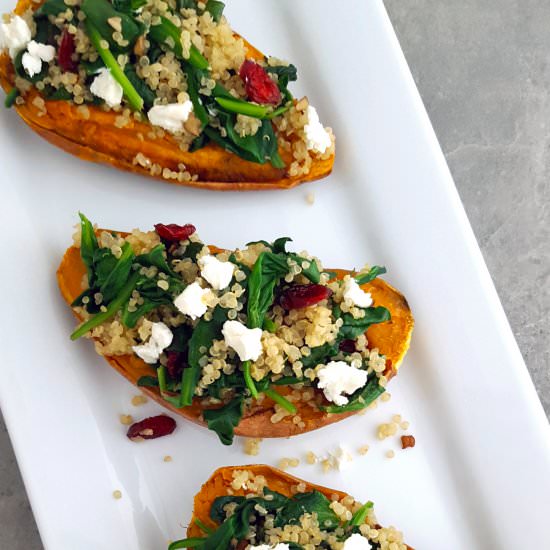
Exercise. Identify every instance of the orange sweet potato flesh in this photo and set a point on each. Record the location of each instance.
(97, 139)
(392, 338)
(220, 482)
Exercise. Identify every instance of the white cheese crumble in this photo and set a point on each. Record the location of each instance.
(191, 301)
(318, 139)
(161, 337)
(356, 295)
(356, 542)
(337, 378)
(14, 35)
(107, 88)
(247, 342)
(279, 546)
(31, 64)
(218, 274)
(34, 56)
(341, 457)
(170, 117)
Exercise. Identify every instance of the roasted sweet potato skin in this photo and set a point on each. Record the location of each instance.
(97, 139)
(220, 482)
(391, 338)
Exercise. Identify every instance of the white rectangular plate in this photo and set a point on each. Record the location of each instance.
(480, 475)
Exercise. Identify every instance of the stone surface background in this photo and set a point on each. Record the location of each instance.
(482, 68)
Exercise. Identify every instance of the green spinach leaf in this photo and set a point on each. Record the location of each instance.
(98, 13)
(157, 258)
(224, 420)
(362, 398)
(352, 328)
(140, 86)
(313, 502)
(147, 382)
(50, 7)
(268, 270)
(203, 335)
(117, 277)
(371, 274)
(88, 246)
(128, 6)
(215, 9)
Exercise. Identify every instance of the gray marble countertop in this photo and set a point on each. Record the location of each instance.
(482, 69)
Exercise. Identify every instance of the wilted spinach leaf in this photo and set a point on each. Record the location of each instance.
(224, 420)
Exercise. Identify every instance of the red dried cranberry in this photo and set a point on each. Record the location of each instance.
(175, 364)
(174, 232)
(66, 51)
(348, 346)
(407, 441)
(152, 427)
(299, 296)
(260, 88)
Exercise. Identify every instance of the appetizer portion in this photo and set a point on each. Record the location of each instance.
(261, 508)
(162, 88)
(258, 341)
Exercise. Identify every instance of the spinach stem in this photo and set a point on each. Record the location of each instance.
(111, 311)
(11, 97)
(134, 99)
(187, 386)
(280, 400)
(361, 515)
(248, 379)
(161, 375)
(187, 543)
(197, 59)
(203, 527)
(279, 111)
(242, 107)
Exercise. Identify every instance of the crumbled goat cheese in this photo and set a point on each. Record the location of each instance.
(247, 342)
(42, 51)
(107, 88)
(337, 378)
(279, 546)
(356, 542)
(341, 457)
(170, 117)
(318, 139)
(31, 64)
(34, 56)
(356, 295)
(191, 301)
(14, 35)
(161, 337)
(217, 274)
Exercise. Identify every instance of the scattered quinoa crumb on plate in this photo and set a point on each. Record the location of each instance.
(258, 341)
(258, 507)
(160, 88)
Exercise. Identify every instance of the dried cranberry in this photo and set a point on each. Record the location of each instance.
(175, 364)
(299, 296)
(66, 51)
(174, 232)
(260, 88)
(152, 427)
(347, 346)
(407, 442)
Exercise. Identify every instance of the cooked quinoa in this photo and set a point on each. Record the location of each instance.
(308, 518)
(230, 328)
(176, 64)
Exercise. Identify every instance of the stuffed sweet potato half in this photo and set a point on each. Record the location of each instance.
(259, 342)
(165, 89)
(259, 507)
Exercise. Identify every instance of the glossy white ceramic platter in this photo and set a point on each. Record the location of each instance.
(479, 476)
